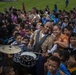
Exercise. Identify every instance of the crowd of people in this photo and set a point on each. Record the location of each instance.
(51, 33)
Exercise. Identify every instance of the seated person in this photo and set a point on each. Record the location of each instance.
(72, 45)
(53, 66)
(72, 63)
(3, 60)
(61, 41)
(22, 29)
(67, 30)
(61, 55)
(9, 70)
(26, 41)
(20, 43)
(1, 69)
(12, 39)
(27, 31)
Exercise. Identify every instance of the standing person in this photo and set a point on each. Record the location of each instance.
(72, 63)
(66, 2)
(34, 16)
(42, 42)
(55, 8)
(23, 7)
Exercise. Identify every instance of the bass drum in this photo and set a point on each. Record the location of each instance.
(28, 59)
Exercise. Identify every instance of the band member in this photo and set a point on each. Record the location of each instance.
(41, 41)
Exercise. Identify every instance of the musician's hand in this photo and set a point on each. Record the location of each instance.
(45, 54)
(29, 46)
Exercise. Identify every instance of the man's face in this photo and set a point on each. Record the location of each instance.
(47, 27)
(52, 66)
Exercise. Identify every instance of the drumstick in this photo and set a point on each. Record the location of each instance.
(37, 53)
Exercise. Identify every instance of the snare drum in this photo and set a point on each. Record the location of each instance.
(28, 59)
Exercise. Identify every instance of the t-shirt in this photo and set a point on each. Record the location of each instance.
(73, 73)
(64, 69)
(57, 73)
(72, 70)
(63, 38)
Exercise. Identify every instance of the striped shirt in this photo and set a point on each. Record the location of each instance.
(17, 55)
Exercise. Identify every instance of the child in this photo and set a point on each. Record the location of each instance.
(64, 56)
(62, 67)
(9, 70)
(26, 41)
(73, 41)
(12, 39)
(72, 63)
(18, 42)
(67, 30)
(28, 31)
(22, 29)
(53, 66)
(72, 50)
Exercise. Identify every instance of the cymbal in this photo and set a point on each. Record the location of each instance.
(8, 49)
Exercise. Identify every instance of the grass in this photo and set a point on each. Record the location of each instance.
(40, 4)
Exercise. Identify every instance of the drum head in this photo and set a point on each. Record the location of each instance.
(28, 59)
(29, 54)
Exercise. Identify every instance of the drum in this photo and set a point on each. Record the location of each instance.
(28, 59)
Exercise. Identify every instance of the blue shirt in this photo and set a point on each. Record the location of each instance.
(17, 55)
(57, 73)
(44, 20)
(64, 69)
